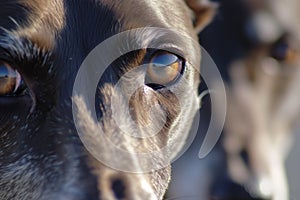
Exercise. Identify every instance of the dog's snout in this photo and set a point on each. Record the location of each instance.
(229, 190)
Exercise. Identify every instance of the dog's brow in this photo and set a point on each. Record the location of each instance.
(164, 39)
(159, 38)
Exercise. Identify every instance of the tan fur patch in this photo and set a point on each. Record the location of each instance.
(46, 19)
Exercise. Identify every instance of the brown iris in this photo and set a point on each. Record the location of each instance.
(164, 69)
(9, 79)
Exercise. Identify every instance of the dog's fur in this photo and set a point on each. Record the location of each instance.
(41, 156)
(263, 104)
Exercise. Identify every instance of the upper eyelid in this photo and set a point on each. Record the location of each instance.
(15, 49)
(170, 49)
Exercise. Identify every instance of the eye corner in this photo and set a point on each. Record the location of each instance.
(11, 82)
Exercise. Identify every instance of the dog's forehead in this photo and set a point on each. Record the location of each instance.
(42, 21)
(166, 14)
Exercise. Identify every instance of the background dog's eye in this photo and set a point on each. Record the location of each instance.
(11, 82)
(163, 69)
(283, 52)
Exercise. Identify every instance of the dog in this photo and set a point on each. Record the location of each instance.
(260, 45)
(264, 108)
(42, 46)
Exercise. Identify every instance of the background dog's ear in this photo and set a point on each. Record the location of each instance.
(203, 12)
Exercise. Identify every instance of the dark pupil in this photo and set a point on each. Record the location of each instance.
(164, 60)
(280, 51)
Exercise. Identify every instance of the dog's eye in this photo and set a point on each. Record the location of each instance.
(164, 69)
(283, 52)
(11, 83)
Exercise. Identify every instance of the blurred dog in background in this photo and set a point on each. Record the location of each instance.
(257, 48)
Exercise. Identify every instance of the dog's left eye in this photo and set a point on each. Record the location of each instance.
(11, 83)
(164, 69)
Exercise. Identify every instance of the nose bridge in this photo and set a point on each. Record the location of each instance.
(113, 183)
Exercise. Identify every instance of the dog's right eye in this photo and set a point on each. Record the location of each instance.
(11, 83)
(164, 69)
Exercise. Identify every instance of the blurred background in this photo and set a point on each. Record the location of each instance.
(254, 43)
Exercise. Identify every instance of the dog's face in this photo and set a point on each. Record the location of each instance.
(42, 45)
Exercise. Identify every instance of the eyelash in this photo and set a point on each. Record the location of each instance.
(22, 52)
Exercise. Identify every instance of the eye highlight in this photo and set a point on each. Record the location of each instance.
(164, 69)
(11, 82)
